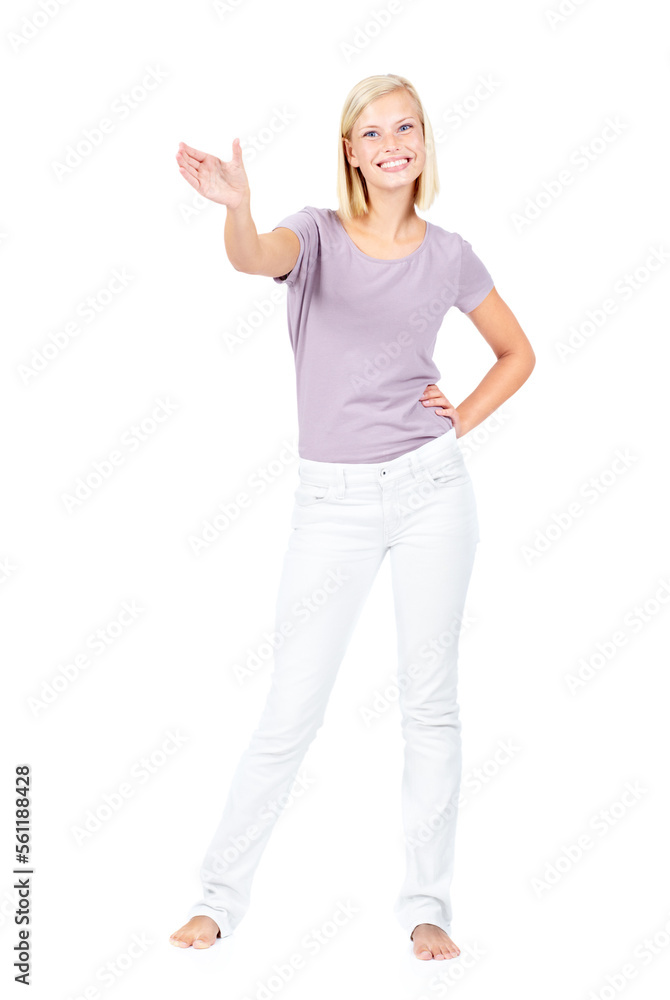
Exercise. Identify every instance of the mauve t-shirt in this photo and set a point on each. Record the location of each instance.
(363, 332)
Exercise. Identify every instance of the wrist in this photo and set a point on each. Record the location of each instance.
(243, 204)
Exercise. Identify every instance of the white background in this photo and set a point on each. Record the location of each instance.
(67, 573)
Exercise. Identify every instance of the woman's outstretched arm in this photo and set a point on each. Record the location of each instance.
(225, 182)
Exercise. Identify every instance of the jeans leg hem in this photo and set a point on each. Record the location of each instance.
(425, 918)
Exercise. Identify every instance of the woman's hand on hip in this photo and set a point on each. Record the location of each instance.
(433, 396)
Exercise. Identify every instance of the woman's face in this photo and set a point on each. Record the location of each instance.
(388, 129)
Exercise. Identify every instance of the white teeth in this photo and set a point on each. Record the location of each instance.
(393, 163)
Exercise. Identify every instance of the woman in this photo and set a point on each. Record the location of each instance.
(379, 469)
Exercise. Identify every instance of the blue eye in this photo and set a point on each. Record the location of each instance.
(374, 132)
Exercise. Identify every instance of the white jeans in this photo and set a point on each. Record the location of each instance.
(421, 507)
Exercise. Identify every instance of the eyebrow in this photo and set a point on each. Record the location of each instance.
(407, 118)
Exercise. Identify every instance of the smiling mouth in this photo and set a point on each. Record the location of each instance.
(401, 161)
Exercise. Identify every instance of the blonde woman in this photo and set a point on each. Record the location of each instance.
(379, 470)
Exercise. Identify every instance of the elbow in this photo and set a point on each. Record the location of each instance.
(240, 269)
(530, 359)
(524, 357)
(522, 360)
(246, 268)
(528, 362)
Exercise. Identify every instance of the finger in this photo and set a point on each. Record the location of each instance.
(191, 176)
(185, 157)
(237, 156)
(197, 154)
(188, 168)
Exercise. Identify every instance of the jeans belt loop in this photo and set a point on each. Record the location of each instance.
(419, 470)
(339, 483)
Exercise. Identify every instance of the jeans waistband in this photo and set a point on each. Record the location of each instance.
(412, 462)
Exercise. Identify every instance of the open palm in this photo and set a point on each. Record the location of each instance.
(222, 181)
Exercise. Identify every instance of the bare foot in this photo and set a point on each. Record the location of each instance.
(432, 942)
(201, 932)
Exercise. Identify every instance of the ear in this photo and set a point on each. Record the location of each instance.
(349, 152)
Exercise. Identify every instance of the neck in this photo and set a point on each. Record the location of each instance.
(391, 214)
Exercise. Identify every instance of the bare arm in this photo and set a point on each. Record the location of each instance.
(516, 359)
(225, 182)
(273, 254)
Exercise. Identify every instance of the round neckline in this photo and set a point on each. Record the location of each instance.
(383, 260)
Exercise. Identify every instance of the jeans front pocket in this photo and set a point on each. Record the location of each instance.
(308, 494)
(451, 471)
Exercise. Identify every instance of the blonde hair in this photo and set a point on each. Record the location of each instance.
(352, 192)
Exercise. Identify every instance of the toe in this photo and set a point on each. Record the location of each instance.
(178, 942)
(201, 942)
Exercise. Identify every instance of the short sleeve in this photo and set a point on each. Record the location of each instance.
(304, 225)
(474, 283)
